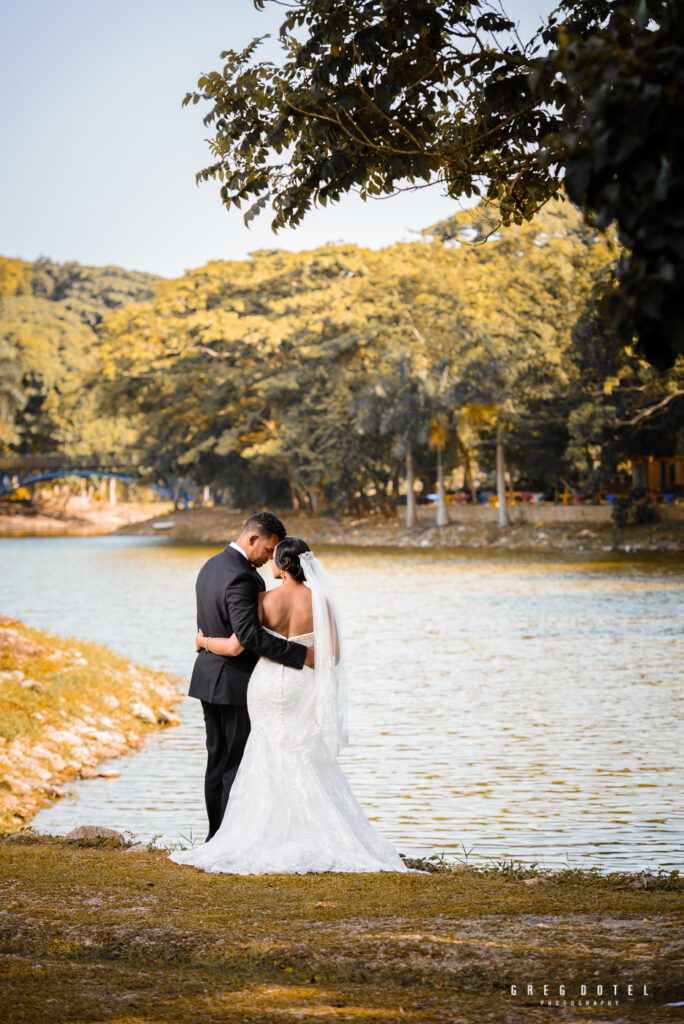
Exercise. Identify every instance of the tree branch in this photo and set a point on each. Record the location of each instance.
(645, 413)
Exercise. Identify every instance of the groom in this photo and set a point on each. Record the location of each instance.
(227, 589)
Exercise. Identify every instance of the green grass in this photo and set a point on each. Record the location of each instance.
(95, 933)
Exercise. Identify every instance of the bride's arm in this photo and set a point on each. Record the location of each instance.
(228, 646)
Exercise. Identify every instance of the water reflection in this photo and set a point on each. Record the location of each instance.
(519, 706)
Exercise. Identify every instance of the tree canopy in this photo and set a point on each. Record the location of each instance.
(317, 373)
(309, 378)
(382, 94)
(624, 159)
(49, 313)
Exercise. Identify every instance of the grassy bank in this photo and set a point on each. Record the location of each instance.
(64, 707)
(218, 525)
(98, 933)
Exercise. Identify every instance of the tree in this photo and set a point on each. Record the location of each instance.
(623, 93)
(252, 377)
(12, 395)
(621, 409)
(48, 315)
(394, 406)
(522, 293)
(376, 94)
(380, 94)
(51, 351)
(259, 371)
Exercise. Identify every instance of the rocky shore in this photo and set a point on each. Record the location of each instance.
(66, 706)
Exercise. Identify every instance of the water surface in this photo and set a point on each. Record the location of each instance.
(514, 705)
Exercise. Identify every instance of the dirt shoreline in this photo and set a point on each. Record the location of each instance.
(218, 525)
(80, 519)
(65, 706)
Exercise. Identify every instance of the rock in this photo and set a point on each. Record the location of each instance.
(103, 753)
(61, 736)
(17, 786)
(88, 772)
(13, 675)
(536, 880)
(643, 882)
(95, 832)
(164, 715)
(459, 867)
(55, 760)
(109, 773)
(19, 646)
(142, 711)
(137, 848)
(50, 789)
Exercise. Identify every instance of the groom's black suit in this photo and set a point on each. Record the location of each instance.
(227, 590)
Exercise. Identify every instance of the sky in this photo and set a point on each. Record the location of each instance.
(99, 156)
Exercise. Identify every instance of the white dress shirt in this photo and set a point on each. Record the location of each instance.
(234, 544)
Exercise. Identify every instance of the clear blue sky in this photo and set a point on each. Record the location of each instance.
(99, 157)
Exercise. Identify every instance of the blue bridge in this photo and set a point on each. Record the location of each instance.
(24, 471)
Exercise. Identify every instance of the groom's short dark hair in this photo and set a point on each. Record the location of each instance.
(265, 524)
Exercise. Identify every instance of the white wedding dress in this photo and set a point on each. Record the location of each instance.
(291, 809)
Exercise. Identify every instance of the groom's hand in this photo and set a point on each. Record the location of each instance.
(309, 660)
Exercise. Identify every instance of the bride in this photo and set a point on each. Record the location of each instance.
(291, 809)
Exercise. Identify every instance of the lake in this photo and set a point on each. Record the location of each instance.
(513, 705)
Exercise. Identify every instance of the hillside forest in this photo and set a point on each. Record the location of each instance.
(327, 379)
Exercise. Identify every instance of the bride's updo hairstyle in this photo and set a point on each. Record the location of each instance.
(287, 557)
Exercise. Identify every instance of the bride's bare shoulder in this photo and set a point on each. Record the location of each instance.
(261, 604)
(269, 599)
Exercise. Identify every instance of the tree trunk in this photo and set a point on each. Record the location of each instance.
(4, 417)
(410, 495)
(317, 499)
(393, 486)
(468, 478)
(500, 482)
(442, 516)
(384, 504)
(511, 488)
(112, 490)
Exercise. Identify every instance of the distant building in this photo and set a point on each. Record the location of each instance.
(660, 474)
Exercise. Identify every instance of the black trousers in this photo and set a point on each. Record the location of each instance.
(227, 729)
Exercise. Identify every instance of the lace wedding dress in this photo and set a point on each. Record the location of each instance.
(291, 809)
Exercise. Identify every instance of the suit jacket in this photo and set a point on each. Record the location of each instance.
(227, 591)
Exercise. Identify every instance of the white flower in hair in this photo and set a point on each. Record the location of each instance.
(306, 556)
